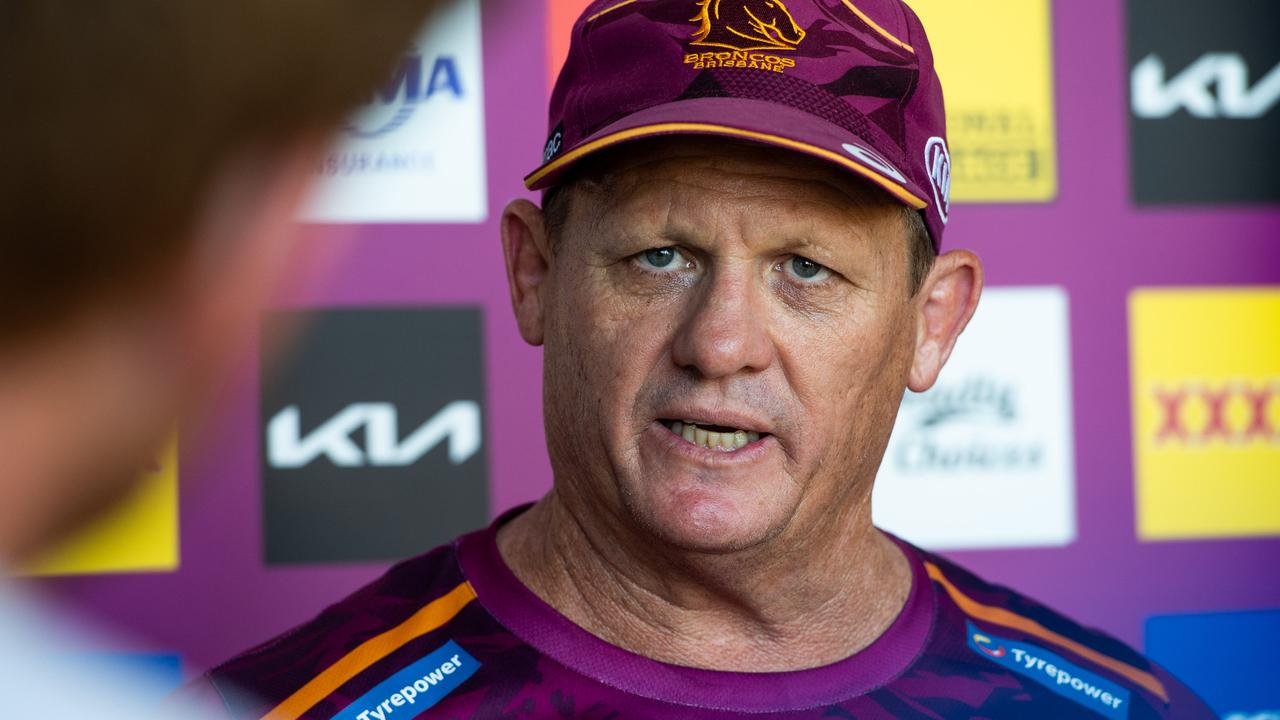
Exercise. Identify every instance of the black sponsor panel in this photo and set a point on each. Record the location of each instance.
(372, 432)
(1204, 101)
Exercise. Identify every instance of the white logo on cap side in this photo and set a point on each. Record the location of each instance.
(937, 165)
(876, 161)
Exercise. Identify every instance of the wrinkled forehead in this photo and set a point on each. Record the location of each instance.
(694, 173)
(643, 164)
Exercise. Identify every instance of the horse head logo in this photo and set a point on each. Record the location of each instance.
(746, 25)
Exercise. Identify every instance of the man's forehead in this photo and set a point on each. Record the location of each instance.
(688, 189)
(727, 165)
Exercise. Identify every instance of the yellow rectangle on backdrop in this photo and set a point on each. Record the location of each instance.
(139, 535)
(995, 59)
(1206, 411)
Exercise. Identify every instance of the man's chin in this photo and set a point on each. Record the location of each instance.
(706, 522)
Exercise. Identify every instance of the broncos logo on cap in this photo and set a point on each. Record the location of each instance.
(746, 25)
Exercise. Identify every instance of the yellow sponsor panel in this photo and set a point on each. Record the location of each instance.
(139, 535)
(995, 59)
(1206, 411)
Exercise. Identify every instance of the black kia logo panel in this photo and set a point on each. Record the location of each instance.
(1204, 101)
(372, 433)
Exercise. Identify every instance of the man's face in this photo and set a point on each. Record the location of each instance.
(758, 295)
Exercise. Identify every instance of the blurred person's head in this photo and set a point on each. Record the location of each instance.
(154, 155)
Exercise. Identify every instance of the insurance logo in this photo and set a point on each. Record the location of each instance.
(993, 438)
(1206, 411)
(415, 151)
(1204, 88)
(373, 433)
(995, 60)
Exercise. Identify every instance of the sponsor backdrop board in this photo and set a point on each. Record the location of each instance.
(993, 437)
(1204, 89)
(995, 59)
(372, 433)
(1089, 249)
(415, 153)
(139, 535)
(1229, 658)
(1206, 411)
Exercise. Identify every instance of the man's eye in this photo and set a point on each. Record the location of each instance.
(663, 258)
(804, 269)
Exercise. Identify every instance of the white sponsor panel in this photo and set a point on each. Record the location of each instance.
(415, 151)
(985, 458)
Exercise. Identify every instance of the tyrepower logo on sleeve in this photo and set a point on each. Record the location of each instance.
(1204, 88)
(415, 688)
(989, 448)
(1052, 671)
(1206, 411)
(372, 433)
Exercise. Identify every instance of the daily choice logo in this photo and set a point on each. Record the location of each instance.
(1052, 671)
(415, 688)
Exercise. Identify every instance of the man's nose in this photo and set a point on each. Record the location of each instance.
(725, 331)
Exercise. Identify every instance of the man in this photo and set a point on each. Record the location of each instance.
(154, 154)
(734, 277)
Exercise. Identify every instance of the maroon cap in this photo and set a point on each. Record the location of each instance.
(847, 81)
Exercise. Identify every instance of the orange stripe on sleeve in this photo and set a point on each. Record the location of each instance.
(1001, 616)
(431, 616)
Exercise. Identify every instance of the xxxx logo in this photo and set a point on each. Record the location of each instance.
(746, 25)
(1234, 412)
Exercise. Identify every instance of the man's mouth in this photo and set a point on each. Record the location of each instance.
(712, 437)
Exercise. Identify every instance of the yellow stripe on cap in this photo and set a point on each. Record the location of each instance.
(876, 26)
(430, 617)
(895, 189)
(609, 9)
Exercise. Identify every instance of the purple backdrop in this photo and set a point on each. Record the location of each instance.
(1091, 240)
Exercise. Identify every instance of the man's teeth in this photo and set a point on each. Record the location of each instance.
(723, 441)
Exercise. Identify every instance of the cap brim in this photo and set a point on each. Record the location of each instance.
(754, 120)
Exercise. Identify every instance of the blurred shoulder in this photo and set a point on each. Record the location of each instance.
(418, 594)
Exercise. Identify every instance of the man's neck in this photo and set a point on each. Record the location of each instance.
(790, 604)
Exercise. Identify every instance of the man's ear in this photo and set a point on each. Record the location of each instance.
(943, 308)
(526, 248)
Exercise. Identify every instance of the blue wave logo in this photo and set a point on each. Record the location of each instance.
(415, 80)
